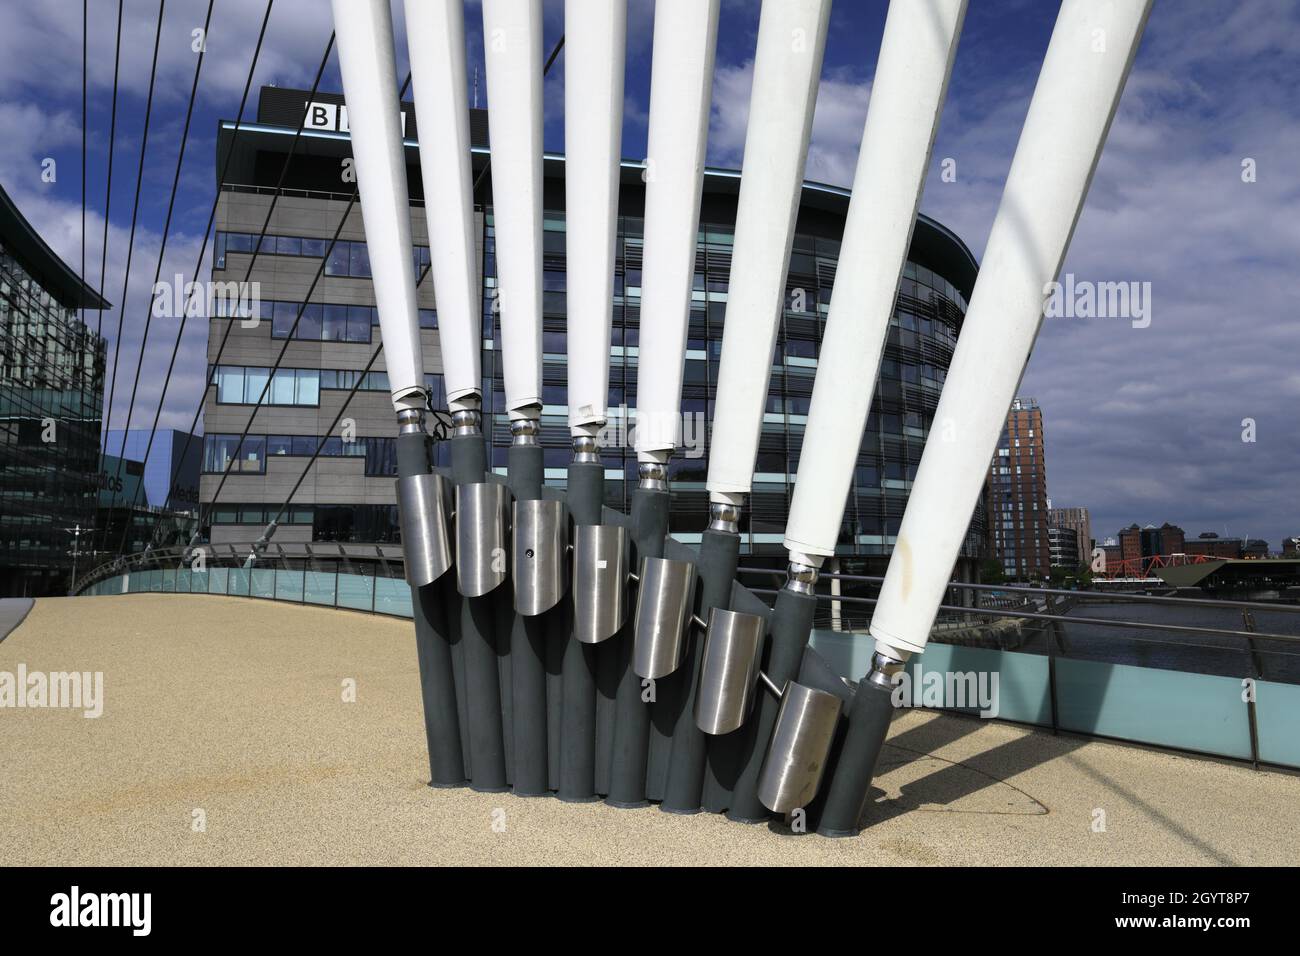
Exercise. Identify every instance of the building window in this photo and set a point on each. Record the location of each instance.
(238, 385)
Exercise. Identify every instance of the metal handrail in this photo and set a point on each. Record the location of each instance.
(1032, 615)
(1104, 596)
(235, 553)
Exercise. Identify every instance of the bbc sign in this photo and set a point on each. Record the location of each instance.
(333, 117)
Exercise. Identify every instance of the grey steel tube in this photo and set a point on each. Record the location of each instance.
(578, 669)
(527, 656)
(792, 620)
(716, 570)
(478, 634)
(432, 640)
(631, 741)
(869, 717)
(468, 459)
(452, 602)
(557, 625)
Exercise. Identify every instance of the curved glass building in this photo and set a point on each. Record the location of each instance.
(350, 498)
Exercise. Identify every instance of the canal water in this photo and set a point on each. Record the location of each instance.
(1223, 655)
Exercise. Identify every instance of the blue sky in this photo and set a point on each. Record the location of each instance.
(1142, 424)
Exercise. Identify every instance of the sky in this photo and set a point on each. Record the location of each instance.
(1145, 422)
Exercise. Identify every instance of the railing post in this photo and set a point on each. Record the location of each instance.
(1051, 684)
(1248, 622)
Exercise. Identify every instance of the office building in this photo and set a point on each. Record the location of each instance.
(1078, 521)
(51, 408)
(348, 495)
(1016, 495)
(1209, 543)
(157, 498)
(1063, 548)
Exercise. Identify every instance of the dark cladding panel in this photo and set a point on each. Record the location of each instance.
(277, 106)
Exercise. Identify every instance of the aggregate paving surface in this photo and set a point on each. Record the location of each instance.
(226, 738)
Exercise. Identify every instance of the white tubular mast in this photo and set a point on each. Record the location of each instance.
(364, 31)
(512, 49)
(681, 84)
(1088, 59)
(907, 94)
(595, 50)
(787, 66)
(435, 35)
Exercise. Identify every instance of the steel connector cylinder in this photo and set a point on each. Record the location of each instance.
(539, 545)
(480, 537)
(728, 671)
(796, 755)
(600, 568)
(663, 612)
(422, 514)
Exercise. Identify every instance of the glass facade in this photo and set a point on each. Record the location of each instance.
(928, 315)
(51, 406)
(922, 336)
(346, 258)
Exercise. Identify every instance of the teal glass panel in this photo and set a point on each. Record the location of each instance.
(217, 580)
(1277, 714)
(288, 585)
(1170, 708)
(356, 591)
(849, 655)
(1007, 685)
(319, 587)
(261, 583)
(238, 583)
(393, 596)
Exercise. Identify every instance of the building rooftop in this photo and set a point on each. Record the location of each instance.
(44, 265)
(239, 713)
(256, 148)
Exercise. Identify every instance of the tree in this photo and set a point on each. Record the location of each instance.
(991, 572)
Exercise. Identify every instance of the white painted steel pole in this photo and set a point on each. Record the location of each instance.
(907, 94)
(787, 66)
(916, 56)
(364, 30)
(1078, 91)
(512, 49)
(681, 84)
(435, 36)
(595, 40)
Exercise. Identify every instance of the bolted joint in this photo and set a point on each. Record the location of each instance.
(883, 669)
(410, 421)
(800, 578)
(465, 422)
(653, 475)
(586, 450)
(523, 431)
(725, 517)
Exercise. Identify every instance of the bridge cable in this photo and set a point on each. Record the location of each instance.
(162, 249)
(135, 210)
(208, 380)
(185, 311)
(108, 187)
(289, 337)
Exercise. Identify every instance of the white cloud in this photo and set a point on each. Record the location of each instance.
(837, 122)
